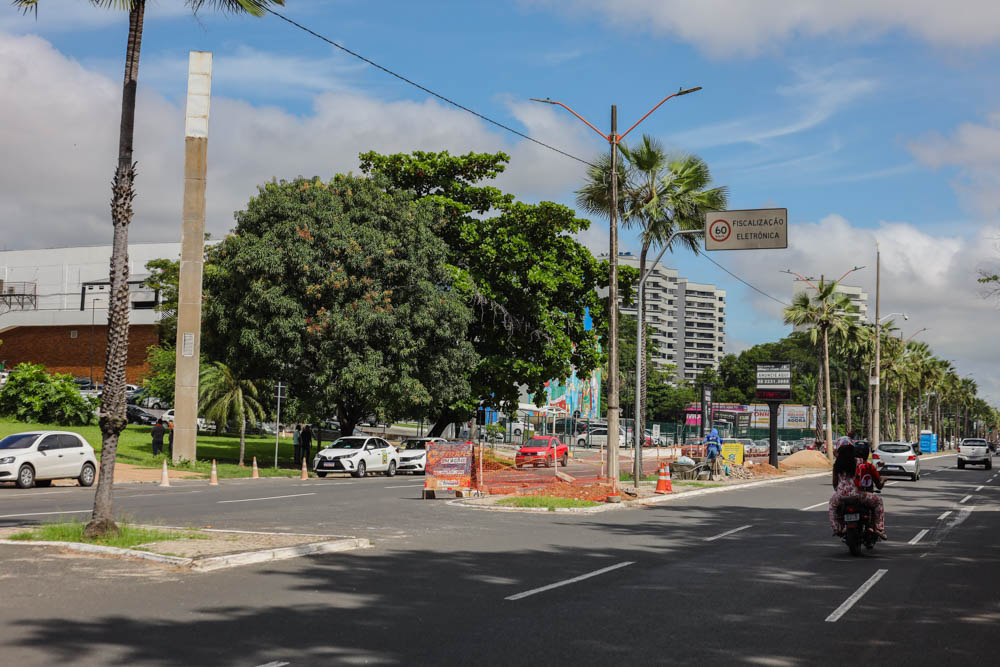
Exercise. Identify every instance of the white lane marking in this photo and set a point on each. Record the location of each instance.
(159, 493)
(940, 518)
(978, 488)
(963, 499)
(30, 495)
(274, 663)
(887, 483)
(811, 507)
(249, 500)
(858, 594)
(919, 536)
(413, 486)
(728, 532)
(10, 516)
(565, 582)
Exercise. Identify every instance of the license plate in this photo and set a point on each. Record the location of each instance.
(892, 468)
(852, 517)
(329, 464)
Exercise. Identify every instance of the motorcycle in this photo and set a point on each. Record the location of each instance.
(859, 525)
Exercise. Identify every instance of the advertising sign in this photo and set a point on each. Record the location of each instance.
(706, 408)
(732, 452)
(753, 229)
(449, 466)
(774, 381)
(795, 416)
(761, 415)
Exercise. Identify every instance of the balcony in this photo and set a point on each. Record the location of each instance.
(18, 296)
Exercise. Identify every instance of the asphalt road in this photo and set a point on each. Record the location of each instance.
(745, 576)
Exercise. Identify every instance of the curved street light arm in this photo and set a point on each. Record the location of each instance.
(679, 92)
(560, 104)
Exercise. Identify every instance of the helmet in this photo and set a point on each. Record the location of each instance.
(842, 441)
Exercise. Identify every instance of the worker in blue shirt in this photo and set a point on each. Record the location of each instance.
(713, 452)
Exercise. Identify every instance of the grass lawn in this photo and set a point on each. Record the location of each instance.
(549, 502)
(628, 477)
(134, 447)
(73, 532)
(700, 485)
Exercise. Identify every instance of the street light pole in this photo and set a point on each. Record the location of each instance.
(640, 420)
(874, 436)
(614, 382)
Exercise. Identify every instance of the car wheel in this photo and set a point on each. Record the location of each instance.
(391, 470)
(914, 477)
(87, 475)
(25, 477)
(961, 465)
(360, 472)
(322, 473)
(989, 464)
(565, 458)
(581, 442)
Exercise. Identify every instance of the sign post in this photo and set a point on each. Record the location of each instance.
(706, 409)
(774, 385)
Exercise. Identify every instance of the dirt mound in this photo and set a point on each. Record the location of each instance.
(807, 458)
(596, 491)
(764, 470)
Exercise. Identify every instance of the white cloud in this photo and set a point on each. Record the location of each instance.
(975, 150)
(736, 27)
(930, 277)
(61, 136)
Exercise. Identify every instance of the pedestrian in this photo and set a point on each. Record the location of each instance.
(157, 432)
(296, 442)
(305, 440)
(712, 452)
(170, 440)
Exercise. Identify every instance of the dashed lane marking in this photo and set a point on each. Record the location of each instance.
(248, 500)
(274, 663)
(411, 486)
(574, 580)
(978, 488)
(857, 595)
(812, 507)
(11, 516)
(919, 536)
(728, 532)
(964, 499)
(940, 518)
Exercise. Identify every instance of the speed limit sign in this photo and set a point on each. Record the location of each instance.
(719, 230)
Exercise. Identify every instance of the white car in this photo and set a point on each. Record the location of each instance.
(975, 451)
(899, 458)
(598, 437)
(784, 448)
(357, 455)
(413, 454)
(36, 458)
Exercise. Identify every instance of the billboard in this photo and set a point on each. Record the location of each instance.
(796, 416)
(449, 466)
(753, 229)
(576, 396)
(774, 381)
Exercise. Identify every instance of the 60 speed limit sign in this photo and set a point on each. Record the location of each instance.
(753, 229)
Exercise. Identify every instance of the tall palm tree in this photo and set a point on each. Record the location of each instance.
(660, 194)
(825, 312)
(112, 415)
(223, 396)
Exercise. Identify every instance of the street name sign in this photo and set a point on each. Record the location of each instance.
(753, 229)
(774, 381)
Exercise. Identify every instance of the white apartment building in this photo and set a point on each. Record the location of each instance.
(686, 320)
(857, 296)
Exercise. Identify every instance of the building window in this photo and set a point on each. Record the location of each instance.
(72, 333)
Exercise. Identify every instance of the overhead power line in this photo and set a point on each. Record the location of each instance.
(756, 289)
(424, 88)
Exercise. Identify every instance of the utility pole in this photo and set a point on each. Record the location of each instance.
(279, 393)
(874, 440)
(613, 379)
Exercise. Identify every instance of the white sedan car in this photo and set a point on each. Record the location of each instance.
(413, 454)
(357, 455)
(36, 458)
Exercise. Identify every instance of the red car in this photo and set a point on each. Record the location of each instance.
(541, 450)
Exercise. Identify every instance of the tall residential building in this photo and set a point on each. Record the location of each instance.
(686, 320)
(857, 296)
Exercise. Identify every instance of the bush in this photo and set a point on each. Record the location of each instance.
(32, 395)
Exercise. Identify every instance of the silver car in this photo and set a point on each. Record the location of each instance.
(975, 451)
(897, 458)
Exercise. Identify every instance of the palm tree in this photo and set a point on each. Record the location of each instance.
(824, 313)
(223, 396)
(660, 194)
(112, 415)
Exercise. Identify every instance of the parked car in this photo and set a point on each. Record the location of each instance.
(36, 458)
(142, 398)
(515, 427)
(541, 450)
(329, 431)
(413, 454)
(598, 437)
(784, 448)
(136, 415)
(897, 458)
(357, 455)
(975, 451)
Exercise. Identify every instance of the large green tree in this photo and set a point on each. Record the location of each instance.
(112, 414)
(342, 290)
(527, 281)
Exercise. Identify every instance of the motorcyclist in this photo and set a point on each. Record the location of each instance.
(867, 479)
(844, 488)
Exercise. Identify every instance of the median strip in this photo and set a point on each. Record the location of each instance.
(249, 500)
(574, 580)
(858, 594)
(728, 532)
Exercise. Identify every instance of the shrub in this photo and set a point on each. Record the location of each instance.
(33, 395)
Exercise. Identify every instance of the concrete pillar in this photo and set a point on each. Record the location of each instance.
(192, 256)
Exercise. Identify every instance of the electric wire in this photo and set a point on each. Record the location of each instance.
(756, 289)
(424, 88)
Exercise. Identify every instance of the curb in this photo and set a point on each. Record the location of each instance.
(209, 563)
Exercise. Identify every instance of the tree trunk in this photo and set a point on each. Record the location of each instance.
(847, 406)
(112, 414)
(819, 402)
(826, 381)
(640, 411)
(899, 414)
(243, 438)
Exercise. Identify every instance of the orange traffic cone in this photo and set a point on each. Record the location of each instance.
(305, 471)
(164, 479)
(255, 474)
(663, 484)
(214, 479)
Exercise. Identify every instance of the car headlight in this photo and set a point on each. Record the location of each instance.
(7, 459)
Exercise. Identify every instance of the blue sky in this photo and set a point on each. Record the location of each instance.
(867, 123)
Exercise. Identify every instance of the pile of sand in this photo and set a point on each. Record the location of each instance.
(806, 458)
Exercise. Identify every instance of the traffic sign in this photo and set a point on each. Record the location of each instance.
(752, 229)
